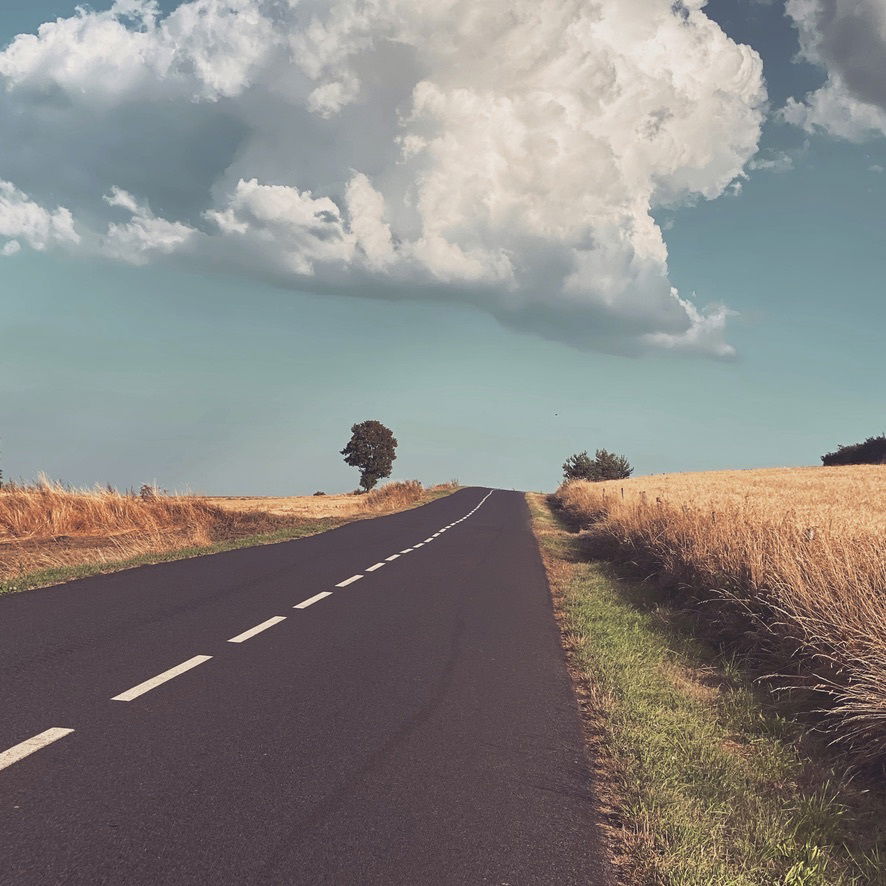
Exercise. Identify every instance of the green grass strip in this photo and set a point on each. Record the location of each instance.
(714, 787)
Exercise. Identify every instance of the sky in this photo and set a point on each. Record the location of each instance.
(510, 231)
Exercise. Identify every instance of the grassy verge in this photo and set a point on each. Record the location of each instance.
(710, 784)
(59, 574)
(297, 529)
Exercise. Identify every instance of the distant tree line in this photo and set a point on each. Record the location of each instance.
(871, 452)
(604, 465)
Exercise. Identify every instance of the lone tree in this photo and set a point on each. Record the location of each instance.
(871, 452)
(371, 448)
(603, 466)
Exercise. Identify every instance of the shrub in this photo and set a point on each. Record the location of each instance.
(871, 452)
(604, 465)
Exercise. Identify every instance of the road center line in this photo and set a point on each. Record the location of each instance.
(406, 551)
(29, 745)
(257, 629)
(373, 568)
(349, 581)
(154, 682)
(428, 540)
(312, 600)
(392, 557)
(421, 544)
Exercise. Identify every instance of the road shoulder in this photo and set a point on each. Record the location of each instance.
(704, 782)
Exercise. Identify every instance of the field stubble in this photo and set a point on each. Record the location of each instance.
(789, 562)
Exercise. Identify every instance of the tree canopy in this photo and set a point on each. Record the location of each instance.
(371, 449)
(871, 452)
(604, 465)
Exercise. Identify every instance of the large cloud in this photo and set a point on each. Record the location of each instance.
(848, 39)
(503, 153)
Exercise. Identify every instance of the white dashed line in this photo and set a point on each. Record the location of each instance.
(312, 600)
(154, 682)
(373, 568)
(257, 629)
(28, 746)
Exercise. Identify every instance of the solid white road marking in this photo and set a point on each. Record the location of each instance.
(392, 557)
(373, 568)
(154, 682)
(349, 581)
(257, 629)
(28, 746)
(311, 600)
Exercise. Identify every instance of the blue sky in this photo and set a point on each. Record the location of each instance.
(215, 370)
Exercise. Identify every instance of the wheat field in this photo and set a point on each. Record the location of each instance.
(794, 556)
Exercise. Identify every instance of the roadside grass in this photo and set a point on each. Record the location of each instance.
(710, 782)
(188, 534)
(788, 563)
(60, 574)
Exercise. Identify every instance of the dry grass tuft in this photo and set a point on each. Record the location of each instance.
(393, 496)
(792, 561)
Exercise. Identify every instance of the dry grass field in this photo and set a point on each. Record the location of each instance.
(47, 526)
(792, 561)
(390, 497)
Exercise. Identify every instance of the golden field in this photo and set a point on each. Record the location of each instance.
(795, 558)
(49, 526)
(391, 496)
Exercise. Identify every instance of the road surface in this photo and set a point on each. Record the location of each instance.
(386, 703)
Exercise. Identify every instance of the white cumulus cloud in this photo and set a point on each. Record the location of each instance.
(21, 218)
(144, 236)
(506, 154)
(848, 39)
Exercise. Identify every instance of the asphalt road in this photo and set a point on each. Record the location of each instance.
(415, 726)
